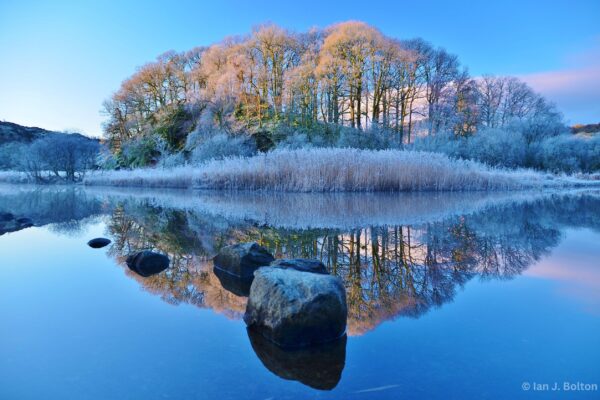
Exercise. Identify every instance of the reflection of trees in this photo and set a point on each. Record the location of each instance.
(406, 270)
(388, 270)
(176, 233)
(67, 208)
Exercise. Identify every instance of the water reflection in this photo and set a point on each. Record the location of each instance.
(65, 208)
(398, 255)
(235, 284)
(431, 247)
(319, 367)
(388, 270)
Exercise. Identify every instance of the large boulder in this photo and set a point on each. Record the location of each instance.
(301, 264)
(98, 243)
(319, 367)
(146, 263)
(293, 308)
(242, 259)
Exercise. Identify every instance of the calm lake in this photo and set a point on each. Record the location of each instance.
(450, 295)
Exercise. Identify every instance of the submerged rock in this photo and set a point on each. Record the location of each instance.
(233, 283)
(319, 367)
(293, 308)
(24, 221)
(98, 243)
(146, 263)
(243, 259)
(301, 264)
(10, 223)
(6, 217)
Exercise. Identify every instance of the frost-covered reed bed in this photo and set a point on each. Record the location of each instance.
(177, 178)
(337, 170)
(14, 177)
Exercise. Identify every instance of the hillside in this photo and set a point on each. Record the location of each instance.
(11, 132)
(37, 150)
(588, 129)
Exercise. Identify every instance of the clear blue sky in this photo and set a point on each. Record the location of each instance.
(60, 59)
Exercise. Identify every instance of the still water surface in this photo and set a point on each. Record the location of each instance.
(450, 295)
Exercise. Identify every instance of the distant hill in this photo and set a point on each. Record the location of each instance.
(15, 133)
(17, 143)
(10, 132)
(589, 128)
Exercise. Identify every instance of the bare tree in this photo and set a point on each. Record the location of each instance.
(60, 156)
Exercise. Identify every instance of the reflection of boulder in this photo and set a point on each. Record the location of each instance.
(10, 223)
(243, 259)
(294, 308)
(146, 263)
(24, 221)
(319, 367)
(98, 243)
(4, 217)
(301, 264)
(233, 283)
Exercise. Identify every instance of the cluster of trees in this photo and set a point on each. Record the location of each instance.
(348, 74)
(52, 157)
(345, 85)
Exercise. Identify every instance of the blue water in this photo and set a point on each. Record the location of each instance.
(77, 324)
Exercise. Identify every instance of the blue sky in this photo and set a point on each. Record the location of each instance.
(60, 59)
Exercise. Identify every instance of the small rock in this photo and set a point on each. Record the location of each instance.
(98, 243)
(293, 308)
(146, 263)
(301, 264)
(24, 222)
(6, 217)
(243, 259)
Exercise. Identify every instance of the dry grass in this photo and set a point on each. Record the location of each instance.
(338, 170)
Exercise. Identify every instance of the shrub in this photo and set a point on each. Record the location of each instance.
(513, 148)
(496, 147)
(172, 160)
(295, 141)
(11, 155)
(173, 125)
(221, 146)
(106, 159)
(142, 151)
(569, 153)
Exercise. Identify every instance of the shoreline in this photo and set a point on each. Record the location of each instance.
(339, 170)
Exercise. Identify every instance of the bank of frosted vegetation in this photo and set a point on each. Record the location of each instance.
(335, 169)
(209, 115)
(345, 86)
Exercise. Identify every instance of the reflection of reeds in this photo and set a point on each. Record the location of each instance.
(322, 210)
(14, 177)
(329, 169)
